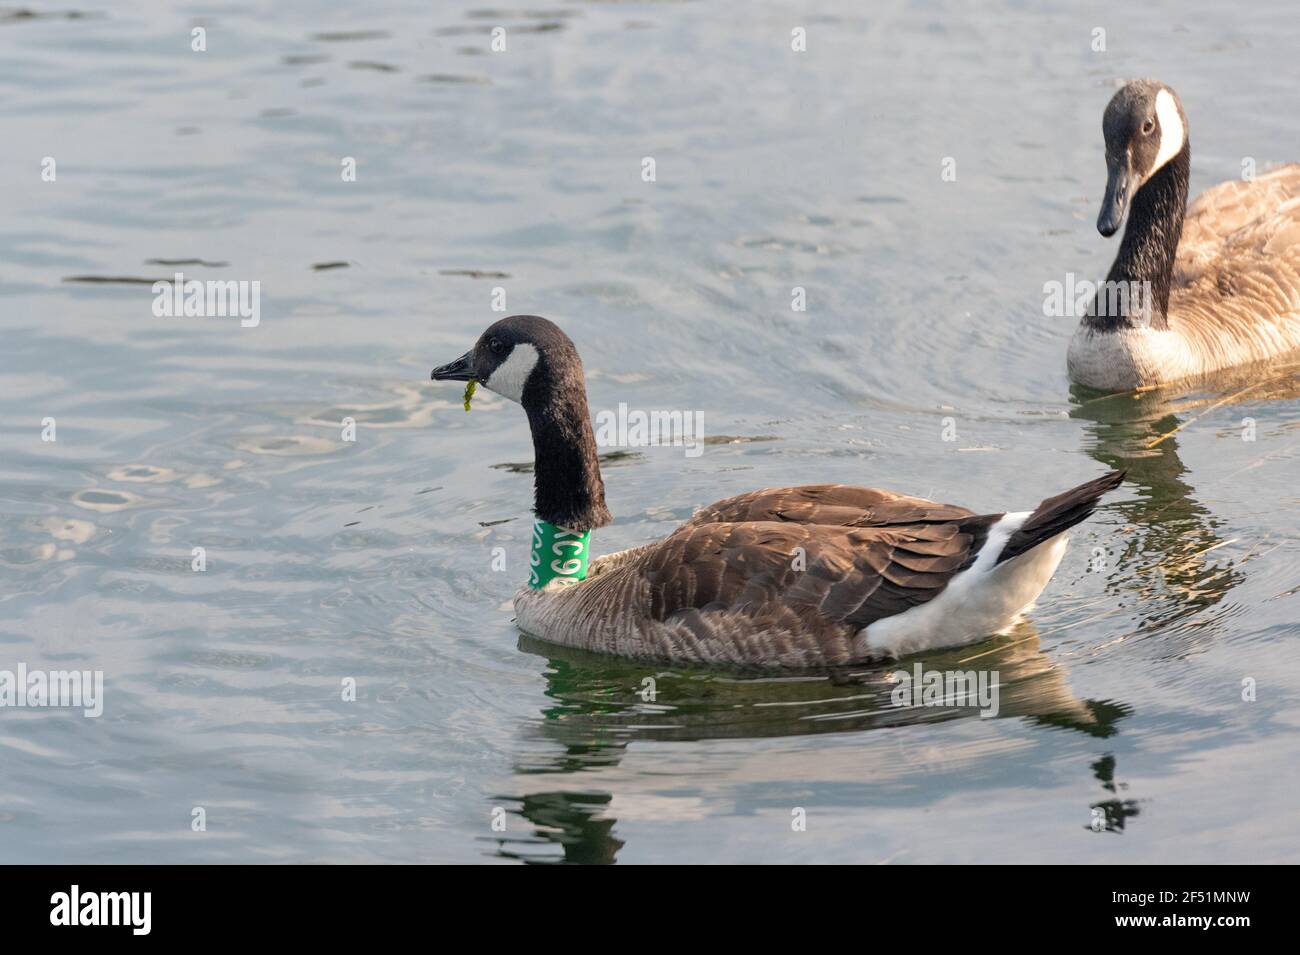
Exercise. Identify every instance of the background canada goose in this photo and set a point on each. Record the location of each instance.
(820, 575)
(1228, 294)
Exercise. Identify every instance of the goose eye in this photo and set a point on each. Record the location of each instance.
(496, 346)
(1149, 125)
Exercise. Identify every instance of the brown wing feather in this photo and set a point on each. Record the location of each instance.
(1236, 289)
(847, 576)
(1230, 223)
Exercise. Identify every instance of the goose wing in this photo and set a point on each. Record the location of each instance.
(1235, 226)
(816, 583)
(830, 576)
(822, 559)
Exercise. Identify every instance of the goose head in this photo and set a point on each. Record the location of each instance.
(528, 359)
(1145, 127)
(514, 354)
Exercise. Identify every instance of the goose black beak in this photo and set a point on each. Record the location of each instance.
(462, 369)
(1115, 203)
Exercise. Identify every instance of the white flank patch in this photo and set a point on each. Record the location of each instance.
(1171, 129)
(982, 600)
(512, 374)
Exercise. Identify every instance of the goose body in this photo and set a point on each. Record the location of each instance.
(1221, 277)
(813, 576)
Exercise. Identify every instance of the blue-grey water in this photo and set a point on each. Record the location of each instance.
(1122, 735)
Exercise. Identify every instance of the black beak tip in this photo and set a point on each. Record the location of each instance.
(1107, 228)
(459, 370)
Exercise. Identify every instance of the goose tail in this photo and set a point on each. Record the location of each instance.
(1058, 514)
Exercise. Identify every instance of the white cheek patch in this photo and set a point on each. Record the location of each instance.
(1172, 135)
(512, 374)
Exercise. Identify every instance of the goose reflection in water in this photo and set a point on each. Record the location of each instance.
(1172, 555)
(601, 705)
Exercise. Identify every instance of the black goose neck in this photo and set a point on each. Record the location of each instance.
(1144, 266)
(568, 489)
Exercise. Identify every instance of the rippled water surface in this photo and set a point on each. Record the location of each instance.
(372, 560)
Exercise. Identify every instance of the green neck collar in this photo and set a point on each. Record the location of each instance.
(557, 555)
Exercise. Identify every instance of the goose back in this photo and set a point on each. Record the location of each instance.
(1236, 290)
(1237, 220)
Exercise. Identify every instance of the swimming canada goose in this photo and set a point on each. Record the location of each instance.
(1228, 294)
(813, 576)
